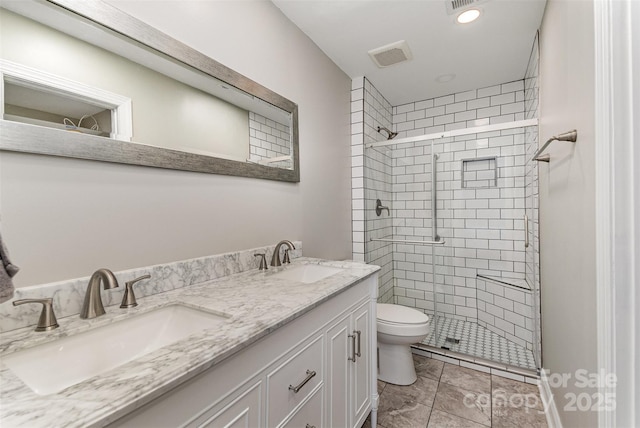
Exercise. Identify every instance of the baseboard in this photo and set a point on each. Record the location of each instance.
(551, 411)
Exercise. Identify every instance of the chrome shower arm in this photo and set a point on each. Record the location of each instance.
(571, 136)
(390, 134)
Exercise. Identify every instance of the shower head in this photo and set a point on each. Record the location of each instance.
(390, 134)
(567, 136)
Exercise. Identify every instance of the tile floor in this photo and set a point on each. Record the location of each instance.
(446, 395)
(478, 341)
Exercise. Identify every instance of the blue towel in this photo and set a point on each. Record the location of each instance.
(7, 271)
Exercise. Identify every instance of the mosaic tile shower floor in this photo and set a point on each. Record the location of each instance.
(478, 341)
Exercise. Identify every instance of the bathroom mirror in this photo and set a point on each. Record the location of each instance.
(132, 94)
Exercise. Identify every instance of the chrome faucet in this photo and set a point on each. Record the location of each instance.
(275, 259)
(92, 306)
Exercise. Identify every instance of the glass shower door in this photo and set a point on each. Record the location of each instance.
(483, 301)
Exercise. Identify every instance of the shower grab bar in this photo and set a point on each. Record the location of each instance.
(434, 199)
(405, 241)
(526, 231)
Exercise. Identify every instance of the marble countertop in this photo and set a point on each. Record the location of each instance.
(256, 301)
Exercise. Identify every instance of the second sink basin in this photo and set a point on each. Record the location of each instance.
(307, 273)
(54, 366)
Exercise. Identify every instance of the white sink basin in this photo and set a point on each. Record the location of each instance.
(307, 273)
(54, 366)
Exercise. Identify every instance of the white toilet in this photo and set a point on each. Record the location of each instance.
(398, 328)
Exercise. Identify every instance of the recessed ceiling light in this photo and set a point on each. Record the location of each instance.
(444, 78)
(468, 16)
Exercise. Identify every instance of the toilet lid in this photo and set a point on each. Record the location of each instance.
(398, 314)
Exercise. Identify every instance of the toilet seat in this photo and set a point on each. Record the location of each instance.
(400, 320)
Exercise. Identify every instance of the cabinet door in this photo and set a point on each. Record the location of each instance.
(243, 412)
(338, 372)
(361, 386)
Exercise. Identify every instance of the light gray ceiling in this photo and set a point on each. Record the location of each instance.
(494, 49)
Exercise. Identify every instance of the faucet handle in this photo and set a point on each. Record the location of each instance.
(263, 261)
(285, 258)
(129, 298)
(47, 319)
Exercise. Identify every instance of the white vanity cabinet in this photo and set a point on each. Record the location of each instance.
(318, 370)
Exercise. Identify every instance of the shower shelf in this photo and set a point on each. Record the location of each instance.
(512, 282)
(405, 241)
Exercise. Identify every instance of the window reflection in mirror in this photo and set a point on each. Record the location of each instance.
(164, 112)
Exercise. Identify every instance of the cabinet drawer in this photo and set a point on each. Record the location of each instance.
(243, 412)
(292, 372)
(309, 415)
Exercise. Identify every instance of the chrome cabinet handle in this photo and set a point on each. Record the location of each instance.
(295, 389)
(358, 333)
(526, 231)
(310, 426)
(353, 347)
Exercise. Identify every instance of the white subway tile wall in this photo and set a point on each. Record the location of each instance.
(481, 218)
(371, 180)
(269, 139)
(506, 311)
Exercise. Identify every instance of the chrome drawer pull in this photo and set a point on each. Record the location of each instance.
(310, 426)
(353, 347)
(358, 333)
(295, 389)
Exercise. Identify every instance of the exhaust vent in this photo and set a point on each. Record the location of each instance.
(391, 54)
(456, 6)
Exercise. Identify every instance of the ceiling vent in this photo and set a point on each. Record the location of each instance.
(457, 6)
(391, 54)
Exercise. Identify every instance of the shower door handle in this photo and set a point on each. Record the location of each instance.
(526, 231)
(434, 199)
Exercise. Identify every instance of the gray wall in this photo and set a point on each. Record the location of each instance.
(64, 218)
(567, 199)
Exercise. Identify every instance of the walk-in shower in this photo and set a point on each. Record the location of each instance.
(460, 238)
